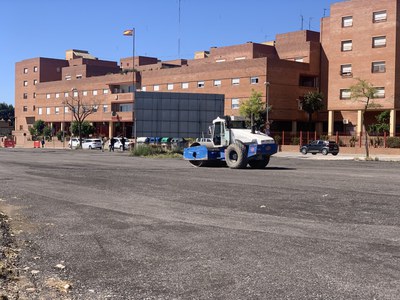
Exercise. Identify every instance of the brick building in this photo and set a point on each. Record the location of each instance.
(360, 39)
(284, 69)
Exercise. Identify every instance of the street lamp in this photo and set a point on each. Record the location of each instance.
(267, 84)
(132, 33)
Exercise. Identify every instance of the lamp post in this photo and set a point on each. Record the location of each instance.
(132, 33)
(267, 84)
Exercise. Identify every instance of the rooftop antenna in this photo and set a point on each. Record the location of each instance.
(325, 12)
(302, 22)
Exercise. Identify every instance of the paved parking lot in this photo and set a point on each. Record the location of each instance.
(136, 228)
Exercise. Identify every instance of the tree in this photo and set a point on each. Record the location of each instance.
(382, 124)
(86, 128)
(39, 128)
(311, 103)
(253, 108)
(7, 113)
(364, 92)
(81, 108)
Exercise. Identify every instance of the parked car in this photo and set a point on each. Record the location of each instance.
(118, 143)
(205, 141)
(179, 144)
(320, 146)
(91, 144)
(166, 142)
(74, 142)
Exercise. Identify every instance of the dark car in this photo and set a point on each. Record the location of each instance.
(320, 146)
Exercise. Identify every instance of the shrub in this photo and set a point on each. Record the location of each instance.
(353, 141)
(277, 139)
(295, 140)
(393, 142)
(146, 150)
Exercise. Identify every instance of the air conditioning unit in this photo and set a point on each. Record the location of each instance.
(345, 121)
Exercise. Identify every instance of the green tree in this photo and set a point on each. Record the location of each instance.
(7, 113)
(312, 102)
(382, 123)
(81, 107)
(364, 93)
(253, 109)
(39, 128)
(86, 128)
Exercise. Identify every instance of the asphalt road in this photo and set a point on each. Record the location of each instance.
(121, 227)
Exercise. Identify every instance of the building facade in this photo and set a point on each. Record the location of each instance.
(360, 40)
(282, 71)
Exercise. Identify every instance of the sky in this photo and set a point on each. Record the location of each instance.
(166, 29)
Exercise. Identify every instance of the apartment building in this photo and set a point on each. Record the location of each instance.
(283, 70)
(360, 39)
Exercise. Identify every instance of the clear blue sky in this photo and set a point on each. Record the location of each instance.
(46, 28)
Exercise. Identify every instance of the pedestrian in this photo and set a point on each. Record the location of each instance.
(43, 142)
(123, 143)
(103, 143)
(112, 142)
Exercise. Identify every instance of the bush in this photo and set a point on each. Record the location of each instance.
(146, 150)
(277, 139)
(393, 142)
(353, 141)
(295, 141)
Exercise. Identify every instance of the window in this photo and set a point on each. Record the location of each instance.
(94, 93)
(156, 87)
(220, 60)
(105, 108)
(235, 103)
(48, 96)
(240, 58)
(76, 93)
(25, 108)
(170, 86)
(346, 70)
(380, 92)
(347, 21)
(308, 81)
(40, 111)
(25, 83)
(34, 81)
(217, 82)
(66, 94)
(379, 16)
(126, 107)
(253, 80)
(34, 95)
(67, 77)
(345, 94)
(66, 109)
(47, 110)
(379, 67)
(57, 110)
(79, 76)
(200, 84)
(25, 70)
(84, 93)
(235, 81)
(379, 41)
(144, 88)
(347, 45)
(105, 91)
(25, 95)
(35, 69)
(299, 59)
(57, 95)
(185, 85)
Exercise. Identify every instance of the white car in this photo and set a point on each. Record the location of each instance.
(91, 144)
(74, 143)
(118, 143)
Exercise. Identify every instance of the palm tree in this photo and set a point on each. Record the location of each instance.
(311, 103)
